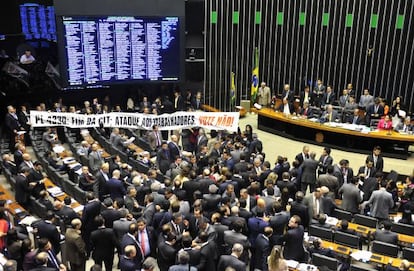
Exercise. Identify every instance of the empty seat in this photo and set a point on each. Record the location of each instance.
(384, 249)
(366, 221)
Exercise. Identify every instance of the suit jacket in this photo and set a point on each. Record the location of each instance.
(148, 213)
(329, 181)
(290, 95)
(358, 120)
(262, 251)
(351, 197)
(128, 264)
(100, 185)
(104, 242)
(127, 239)
(300, 209)
(302, 98)
(324, 162)
(308, 201)
(12, 123)
(18, 158)
(309, 167)
(121, 227)
(386, 236)
(116, 188)
(90, 211)
(256, 226)
(381, 202)
(366, 100)
(164, 159)
(67, 214)
(334, 116)
(152, 139)
(343, 100)
(371, 171)
(231, 237)
(328, 98)
(208, 257)
(371, 112)
(110, 215)
(95, 161)
(75, 247)
(174, 150)
(308, 112)
(293, 249)
(48, 230)
(230, 261)
(22, 189)
(369, 186)
(379, 165)
(166, 256)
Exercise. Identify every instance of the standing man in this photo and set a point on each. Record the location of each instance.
(309, 167)
(23, 187)
(12, 126)
(264, 95)
(377, 158)
(75, 246)
(293, 238)
(381, 202)
(351, 196)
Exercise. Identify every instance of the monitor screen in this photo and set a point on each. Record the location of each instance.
(111, 49)
(38, 21)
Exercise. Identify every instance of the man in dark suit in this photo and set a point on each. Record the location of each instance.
(278, 223)
(386, 235)
(167, 252)
(23, 187)
(9, 164)
(86, 180)
(164, 158)
(46, 229)
(235, 235)
(262, 249)
(126, 261)
(368, 170)
(328, 97)
(371, 184)
(306, 97)
(208, 253)
(12, 126)
(374, 111)
(103, 244)
(109, 212)
(101, 178)
(65, 213)
(115, 187)
(90, 211)
(318, 93)
(376, 157)
(293, 247)
(131, 238)
(232, 260)
(41, 262)
(288, 94)
(299, 209)
(306, 112)
(178, 101)
(325, 160)
(304, 155)
(309, 167)
(356, 118)
(175, 149)
(18, 154)
(149, 210)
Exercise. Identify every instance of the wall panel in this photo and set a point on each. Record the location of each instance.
(364, 42)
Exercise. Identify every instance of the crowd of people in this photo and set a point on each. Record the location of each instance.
(209, 201)
(344, 109)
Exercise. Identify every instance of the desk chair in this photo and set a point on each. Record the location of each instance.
(323, 233)
(347, 239)
(361, 268)
(384, 249)
(408, 253)
(322, 260)
(366, 221)
(342, 214)
(402, 228)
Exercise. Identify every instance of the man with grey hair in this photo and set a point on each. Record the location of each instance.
(232, 260)
(183, 263)
(264, 95)
(75, 246)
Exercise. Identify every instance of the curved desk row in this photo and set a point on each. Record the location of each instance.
(392, 143)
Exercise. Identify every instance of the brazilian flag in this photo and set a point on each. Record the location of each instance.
(255, 77)
(233, 89)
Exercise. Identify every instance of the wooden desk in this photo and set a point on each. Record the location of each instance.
(241, 110)
(49, 184)
(375, 258)
(14, 207)
(365, 231)
(394, 145)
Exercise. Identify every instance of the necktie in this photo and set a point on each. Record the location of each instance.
(158, 139)
(143, 242)
(315, 207)
(52, 259)
(330, 117)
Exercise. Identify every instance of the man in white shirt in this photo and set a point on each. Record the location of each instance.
(27, 58)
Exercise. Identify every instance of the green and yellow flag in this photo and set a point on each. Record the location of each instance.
(233, 89)
(255, 77)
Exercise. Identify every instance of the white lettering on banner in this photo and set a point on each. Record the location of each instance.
(179, 120)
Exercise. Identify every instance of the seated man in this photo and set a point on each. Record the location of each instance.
(405, 126)
(27, 58)
(356, 118)
(306, 112)
(286, 107)
(386, 235)
(86, 180)
(329, 115)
